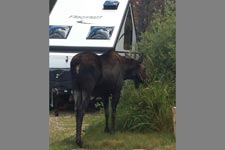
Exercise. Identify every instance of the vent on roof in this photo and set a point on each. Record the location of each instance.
(111, 4)
(100, 32)
(59, 32)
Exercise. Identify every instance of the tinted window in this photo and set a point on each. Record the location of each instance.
(100, 32)
(59, 32)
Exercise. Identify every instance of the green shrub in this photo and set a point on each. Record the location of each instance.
(150, 107)
(146, 109)
(159, 44)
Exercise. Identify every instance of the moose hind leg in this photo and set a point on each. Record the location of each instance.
(80, 112)
(77, 99)
(79, 120)
(79, 115)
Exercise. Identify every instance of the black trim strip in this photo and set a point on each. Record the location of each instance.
(72, 49)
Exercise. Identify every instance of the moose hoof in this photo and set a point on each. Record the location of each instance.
(79, 143)
(107, 130)
(112, 131)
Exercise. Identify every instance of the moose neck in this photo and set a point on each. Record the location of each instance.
(129, 67)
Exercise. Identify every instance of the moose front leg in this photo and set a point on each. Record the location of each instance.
(114, 102)
(106, 108)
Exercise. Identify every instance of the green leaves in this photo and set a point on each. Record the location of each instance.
(150, 108)
(146, 109)
(159, 44)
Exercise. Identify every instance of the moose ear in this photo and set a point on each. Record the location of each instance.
(141, 58)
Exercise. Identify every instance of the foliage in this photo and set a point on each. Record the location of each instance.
(159, 44)
(147, 109)
(150, 108)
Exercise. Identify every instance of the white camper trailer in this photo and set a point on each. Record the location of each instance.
(81, 25)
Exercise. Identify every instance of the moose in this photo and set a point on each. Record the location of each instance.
(102, 76)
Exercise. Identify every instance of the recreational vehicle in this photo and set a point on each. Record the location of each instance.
(86, 25)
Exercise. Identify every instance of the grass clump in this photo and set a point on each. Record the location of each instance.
(146, 109)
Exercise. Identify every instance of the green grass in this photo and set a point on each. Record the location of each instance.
(62, 135)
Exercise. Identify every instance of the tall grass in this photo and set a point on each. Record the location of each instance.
(146, 109)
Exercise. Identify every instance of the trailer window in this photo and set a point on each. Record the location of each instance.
(128, 32)
(100, 32)
(59, 32)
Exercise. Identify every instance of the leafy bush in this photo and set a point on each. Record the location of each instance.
(146, 109)
(159, 44)
(150, 108)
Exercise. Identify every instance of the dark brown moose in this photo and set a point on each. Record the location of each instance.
(102, 76)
